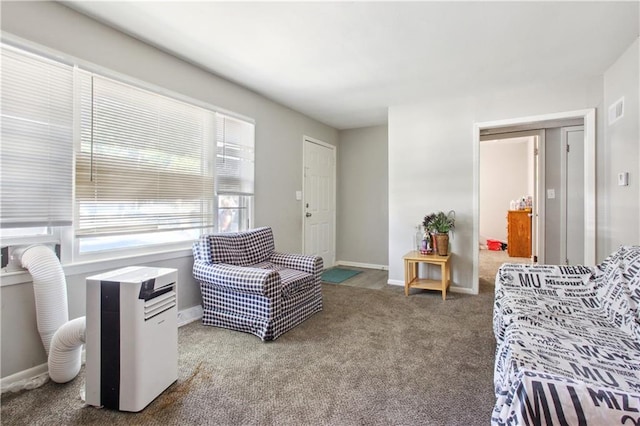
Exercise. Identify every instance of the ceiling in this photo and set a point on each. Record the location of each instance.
(345, 63)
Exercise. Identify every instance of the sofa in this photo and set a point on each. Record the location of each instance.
(247, 286)
(568, 343)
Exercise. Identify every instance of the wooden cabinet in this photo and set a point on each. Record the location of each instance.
(519, 233)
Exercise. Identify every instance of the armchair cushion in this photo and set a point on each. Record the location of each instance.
(240, 248)
(237, 278)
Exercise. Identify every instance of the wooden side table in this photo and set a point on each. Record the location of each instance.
(412, 261)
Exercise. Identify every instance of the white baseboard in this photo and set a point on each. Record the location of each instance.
(37, 376)
(189, 315)
(30, 378)
(465, 290)
(362, 265)
(453, 289)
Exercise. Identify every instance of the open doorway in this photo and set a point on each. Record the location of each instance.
(558, 120)
(508, 181)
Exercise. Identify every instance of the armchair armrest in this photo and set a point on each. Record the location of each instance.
(238, 278)
(198, 256)
(301, 262)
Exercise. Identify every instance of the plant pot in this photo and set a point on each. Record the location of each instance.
(442, 244)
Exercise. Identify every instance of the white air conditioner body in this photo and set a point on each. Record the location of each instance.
(131, 336)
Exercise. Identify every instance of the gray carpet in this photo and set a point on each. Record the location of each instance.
(490, 261)
(371, 357)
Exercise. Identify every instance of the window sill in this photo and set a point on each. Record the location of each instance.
(94, 266)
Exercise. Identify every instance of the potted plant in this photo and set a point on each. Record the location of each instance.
(439, 224)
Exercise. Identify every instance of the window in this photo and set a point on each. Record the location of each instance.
(234, 173)
(150, 169)
(144, 172)
(36, 165)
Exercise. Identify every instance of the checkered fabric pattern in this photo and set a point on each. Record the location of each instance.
(247, 286)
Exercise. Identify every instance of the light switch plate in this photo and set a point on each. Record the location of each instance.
(551, 193)
(623, 179)
(299, 195)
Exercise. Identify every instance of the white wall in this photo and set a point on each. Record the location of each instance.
(431, 160)
(363, 198)
(430, 170)
(279, 139)
(505, 175)
(443, 129)
(622, 151)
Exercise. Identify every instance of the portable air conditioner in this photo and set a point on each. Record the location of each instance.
(131, 336)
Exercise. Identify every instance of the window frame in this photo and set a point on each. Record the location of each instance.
(70, 254)
(139, 152)
(226, 186)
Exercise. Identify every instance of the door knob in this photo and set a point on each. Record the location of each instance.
(308, 215)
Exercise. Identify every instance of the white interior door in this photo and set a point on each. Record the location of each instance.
(319, 200)
(573, 203)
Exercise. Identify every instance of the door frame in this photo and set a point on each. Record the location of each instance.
(589, 118)
(538, 173)
(540, 195)
(564, 175)
(308, 139)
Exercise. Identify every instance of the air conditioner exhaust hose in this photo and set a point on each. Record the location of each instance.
(65, 357)
(62, 339)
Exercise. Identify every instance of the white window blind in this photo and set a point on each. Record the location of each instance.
(144, 162)
(234, 156)
(37, 141)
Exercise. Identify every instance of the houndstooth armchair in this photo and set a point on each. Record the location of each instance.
(247, 286)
